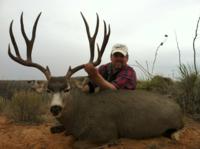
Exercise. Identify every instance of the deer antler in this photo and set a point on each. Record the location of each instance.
(92, 46)
(29, 45)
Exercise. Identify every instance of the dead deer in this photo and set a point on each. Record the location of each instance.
(106, 115)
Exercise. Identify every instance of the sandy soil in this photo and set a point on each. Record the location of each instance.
(18, 136)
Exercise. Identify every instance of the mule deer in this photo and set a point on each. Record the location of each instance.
(106, 115)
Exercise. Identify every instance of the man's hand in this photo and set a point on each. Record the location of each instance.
(85, 88)
(91, 70)
(97, 78)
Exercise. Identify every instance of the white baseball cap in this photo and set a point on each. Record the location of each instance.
(120, 48)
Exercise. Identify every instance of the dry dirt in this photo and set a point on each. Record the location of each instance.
(18, 136)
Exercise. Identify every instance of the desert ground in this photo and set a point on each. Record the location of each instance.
(26, 136)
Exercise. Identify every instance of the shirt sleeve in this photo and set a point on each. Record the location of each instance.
(125, 80)
(102, 70)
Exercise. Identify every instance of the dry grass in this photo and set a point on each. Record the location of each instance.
(26, 106)
(189, 91)
(2, 104)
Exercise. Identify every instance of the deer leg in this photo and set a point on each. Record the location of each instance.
(169, 133)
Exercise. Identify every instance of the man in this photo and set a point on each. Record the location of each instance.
(114, 75)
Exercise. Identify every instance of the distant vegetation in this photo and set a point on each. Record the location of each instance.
(25, 106)
(2, 104)
(158, 83)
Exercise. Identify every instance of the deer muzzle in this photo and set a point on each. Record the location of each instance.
(56, 104)
(55, 110)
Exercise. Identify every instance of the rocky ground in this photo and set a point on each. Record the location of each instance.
(21, 136)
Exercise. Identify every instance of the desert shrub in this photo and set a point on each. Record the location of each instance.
(161, 84)
(189, 91)
(157, 83)
(144, 84)
(26, 106)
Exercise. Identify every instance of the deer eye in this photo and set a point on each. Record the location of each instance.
(66, 90)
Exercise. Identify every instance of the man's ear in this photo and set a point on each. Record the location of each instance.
(38, 86)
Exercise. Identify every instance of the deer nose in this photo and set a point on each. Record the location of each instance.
(55, 110)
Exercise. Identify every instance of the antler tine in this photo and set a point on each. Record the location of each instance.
(13, 40)
(91, 38)
(92, 46)
(29, 45)
(105, 41)
(71, 71)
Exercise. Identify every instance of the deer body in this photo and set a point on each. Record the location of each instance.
(108, 115)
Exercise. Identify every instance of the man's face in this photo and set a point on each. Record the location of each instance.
(119, 60)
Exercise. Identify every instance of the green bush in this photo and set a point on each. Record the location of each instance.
(161, 84)
(157, 83)
(26, 106)
(144, 84)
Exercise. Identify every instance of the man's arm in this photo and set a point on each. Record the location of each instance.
(97, 78)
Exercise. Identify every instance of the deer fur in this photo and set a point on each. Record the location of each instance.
(109, 115)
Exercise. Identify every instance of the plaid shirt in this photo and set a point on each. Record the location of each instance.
(124, 78)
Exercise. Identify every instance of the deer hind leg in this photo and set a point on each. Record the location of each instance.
(168, 133)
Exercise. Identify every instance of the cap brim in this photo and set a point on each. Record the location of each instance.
(119, 51)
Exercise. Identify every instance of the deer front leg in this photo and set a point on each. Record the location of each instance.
(57, 129)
